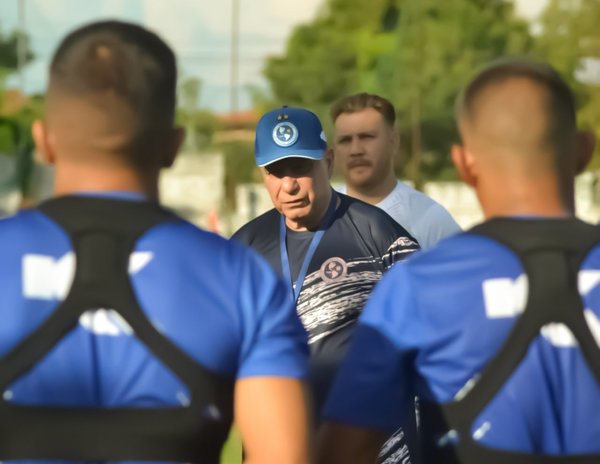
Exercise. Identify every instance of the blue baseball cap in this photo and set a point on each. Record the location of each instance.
(289, 133)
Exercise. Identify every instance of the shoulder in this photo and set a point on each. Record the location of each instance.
(181, 242)
(459, 266)
(25, 219)
(265, 224)
(31, 228)
(374, 222)
(446, 282)
(417, 202)
(425, 218)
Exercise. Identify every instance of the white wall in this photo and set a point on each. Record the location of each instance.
(456, 197)
(194, 188)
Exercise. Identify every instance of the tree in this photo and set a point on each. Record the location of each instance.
(438, 46)
(15, 134)
(200, 124)
(418, 53)
(9, 55)
(570, 40)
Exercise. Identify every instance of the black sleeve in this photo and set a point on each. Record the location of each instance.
(396, 242)
(242, 235)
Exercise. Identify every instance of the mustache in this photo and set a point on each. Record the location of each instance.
(356, 162)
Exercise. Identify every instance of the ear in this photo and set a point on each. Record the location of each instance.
(43, 148)
(176, 138)
(329, 160)
(586, 143)
(465, 165)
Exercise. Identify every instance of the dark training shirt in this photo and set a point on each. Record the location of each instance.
(361, 243)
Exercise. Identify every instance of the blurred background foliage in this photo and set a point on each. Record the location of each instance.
(16, 114)
(417, 53)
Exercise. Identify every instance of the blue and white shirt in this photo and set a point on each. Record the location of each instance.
(218, 301)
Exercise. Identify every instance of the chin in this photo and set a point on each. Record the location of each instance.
(360, 181)
(296, 214)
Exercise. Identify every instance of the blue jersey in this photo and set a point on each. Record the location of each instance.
(435, 321)
(217, 301)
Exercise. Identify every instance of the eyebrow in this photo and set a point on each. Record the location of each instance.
(359, 134)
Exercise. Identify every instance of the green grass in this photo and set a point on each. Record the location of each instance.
(232, 451)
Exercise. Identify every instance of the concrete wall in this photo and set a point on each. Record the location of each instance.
(457, 198)
(194, 188)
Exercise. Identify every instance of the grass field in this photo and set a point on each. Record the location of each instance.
(232, 451)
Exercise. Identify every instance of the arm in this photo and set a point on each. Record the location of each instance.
(271, 407)
(340, 444)
(373, 392)
(399, 244)
(272, 416)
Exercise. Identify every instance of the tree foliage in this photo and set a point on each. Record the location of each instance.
(417, 53)
(570, 40)
(15, 134)
(9, 55)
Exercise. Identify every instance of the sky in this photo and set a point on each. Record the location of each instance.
(198, 30)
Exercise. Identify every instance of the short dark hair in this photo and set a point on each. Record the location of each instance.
(125, 60)
(362, 101)
(562, 107)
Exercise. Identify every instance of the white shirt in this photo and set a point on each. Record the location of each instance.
(423, 218)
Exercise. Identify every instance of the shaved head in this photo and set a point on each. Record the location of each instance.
(518, 111)
(521, 148)
(112, 93)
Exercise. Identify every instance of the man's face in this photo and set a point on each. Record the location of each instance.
(296, 185)
(365, 144)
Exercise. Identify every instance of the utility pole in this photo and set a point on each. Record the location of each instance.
(21, 45)
(235, 56)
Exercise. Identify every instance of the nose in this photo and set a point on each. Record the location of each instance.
(290, 185)
(356, 147)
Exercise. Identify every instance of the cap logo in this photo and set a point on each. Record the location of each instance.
(285, 134)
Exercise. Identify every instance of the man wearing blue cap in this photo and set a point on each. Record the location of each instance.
(331, 249)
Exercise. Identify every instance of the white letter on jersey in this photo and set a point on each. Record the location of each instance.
(45, 278)
(505, 297)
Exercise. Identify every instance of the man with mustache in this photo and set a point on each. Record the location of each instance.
(331, 249)
(366, 142)
(496, 329)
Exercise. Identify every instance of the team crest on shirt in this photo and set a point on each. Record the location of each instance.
(285, 134)
(333, 269)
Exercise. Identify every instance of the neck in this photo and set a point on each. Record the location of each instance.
(511, 196)
(73, 177)
(312, 221)
(373, 194)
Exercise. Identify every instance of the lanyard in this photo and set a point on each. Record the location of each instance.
(314, 243)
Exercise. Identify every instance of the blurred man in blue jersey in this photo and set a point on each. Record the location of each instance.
(128, 333)
(331, 249)
(496, 329)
